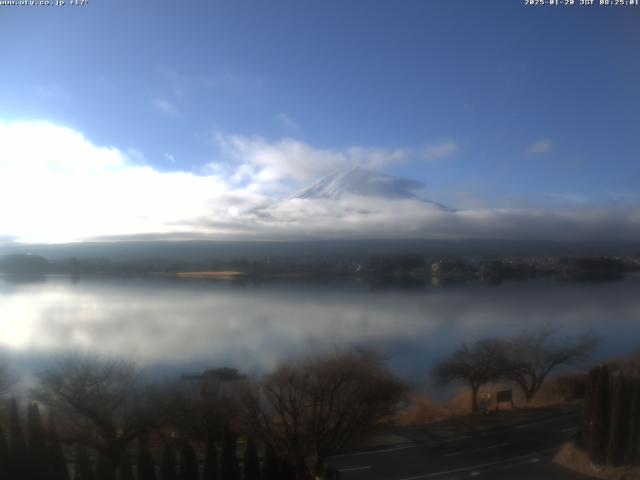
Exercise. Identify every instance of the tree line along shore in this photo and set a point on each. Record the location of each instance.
(375, 268)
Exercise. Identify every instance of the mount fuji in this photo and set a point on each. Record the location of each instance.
(366, 183)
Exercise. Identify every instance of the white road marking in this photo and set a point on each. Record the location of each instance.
(373, 452)
(570, 429)
(431, 443)
(474, 474)
(483, 465)
(355, 469)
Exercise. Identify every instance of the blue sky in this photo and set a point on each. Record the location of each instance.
(493, 105)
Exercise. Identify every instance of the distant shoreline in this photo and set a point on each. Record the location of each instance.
(234, 275)
(221, 274)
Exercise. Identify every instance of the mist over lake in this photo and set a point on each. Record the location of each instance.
(175, 326)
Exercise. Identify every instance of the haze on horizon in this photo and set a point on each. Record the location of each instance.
(162, 120)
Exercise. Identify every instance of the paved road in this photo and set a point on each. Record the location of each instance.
(521, 452)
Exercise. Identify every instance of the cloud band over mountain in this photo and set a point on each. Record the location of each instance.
(57, 186)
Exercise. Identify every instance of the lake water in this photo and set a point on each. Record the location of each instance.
(175, 326)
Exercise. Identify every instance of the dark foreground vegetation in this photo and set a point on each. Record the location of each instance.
(106, 423)
(611, 417)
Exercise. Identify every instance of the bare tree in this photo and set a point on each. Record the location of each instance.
(532, 356)
(475, 365)
(101, 402)
(312, 408)
(185, 409)
(7, 378)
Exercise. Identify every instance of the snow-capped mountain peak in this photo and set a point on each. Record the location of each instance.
(362, 182)
(358, 181)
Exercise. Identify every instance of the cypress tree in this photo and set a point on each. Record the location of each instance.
(146, 469)
(210, 459)
(251, 462)
(82, 465)
(587, 410)
(168, 470)
(230, 470)
(270, 470)
(57, 461)
(625, 417)
(331, 473)
(18, 461)
(4, 455)
(633, 442)
(600, 418)
(615, 425)
(105, 469)
(125, 469)
(188, 462)
(287, 470)
(37, 445)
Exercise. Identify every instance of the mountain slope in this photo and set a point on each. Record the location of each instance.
(366, 183)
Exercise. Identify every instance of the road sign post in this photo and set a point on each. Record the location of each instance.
(503, 396)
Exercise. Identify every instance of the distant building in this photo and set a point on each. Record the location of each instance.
(451, 269)
(221, 382)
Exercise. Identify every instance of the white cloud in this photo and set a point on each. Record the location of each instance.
(166, 107)
(540, 147)
(57, 186)
(362, 217)
(440, 150)
(265, 165)
(287, 122)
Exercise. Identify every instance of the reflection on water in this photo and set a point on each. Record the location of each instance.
(192, 324)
